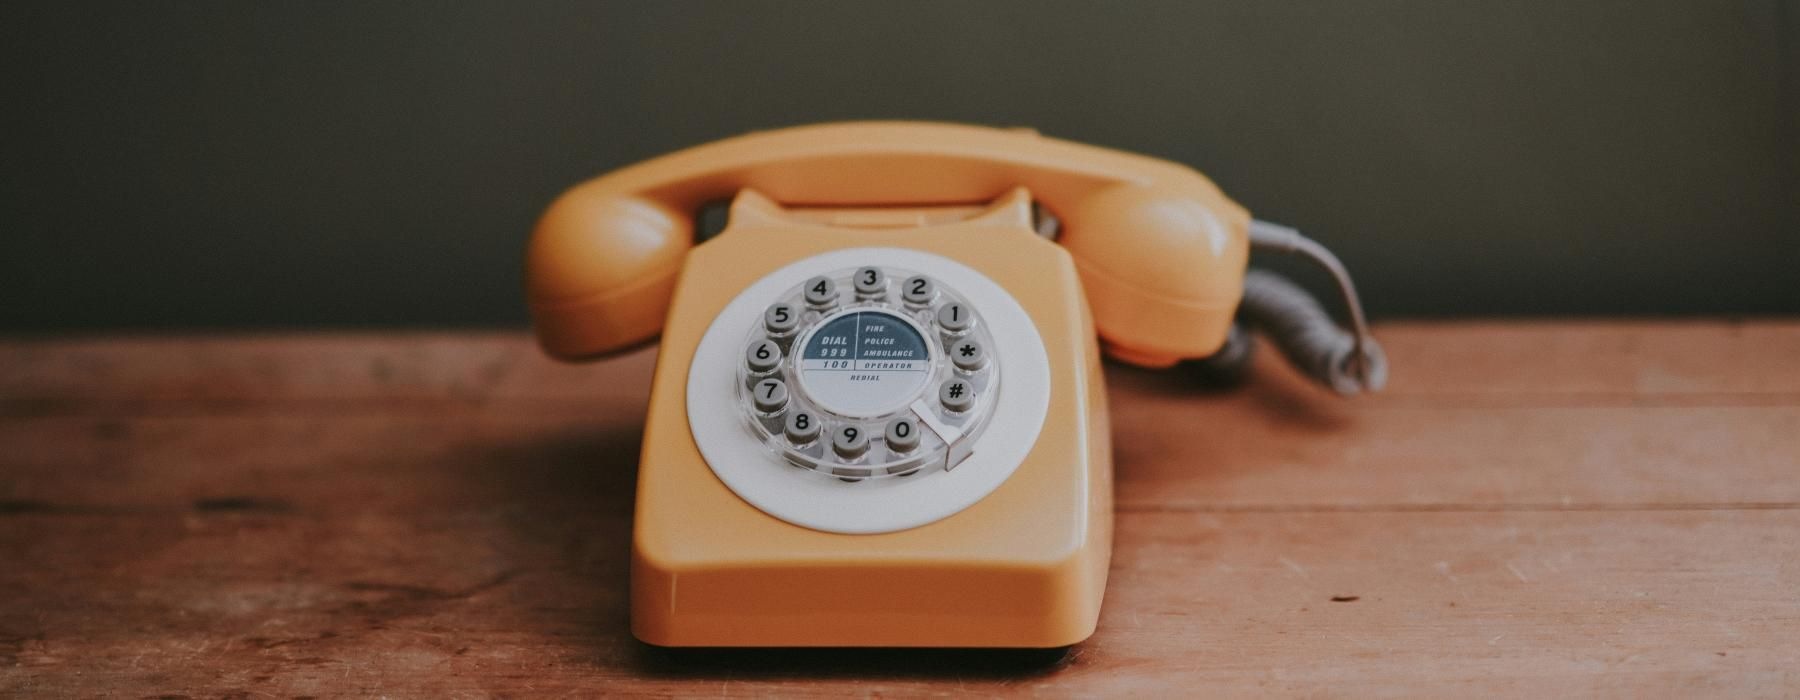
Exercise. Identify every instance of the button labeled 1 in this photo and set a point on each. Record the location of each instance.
(953, 317)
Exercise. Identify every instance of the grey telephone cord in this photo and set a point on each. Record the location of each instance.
(1348, 362)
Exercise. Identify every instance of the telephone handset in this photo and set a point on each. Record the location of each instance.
(878, 416)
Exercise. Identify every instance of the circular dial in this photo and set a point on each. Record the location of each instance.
(868, 372)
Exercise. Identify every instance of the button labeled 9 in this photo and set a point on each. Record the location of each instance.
(849, 441)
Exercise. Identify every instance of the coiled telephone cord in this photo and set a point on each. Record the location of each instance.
(1349, 362)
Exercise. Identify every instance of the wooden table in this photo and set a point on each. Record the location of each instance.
(1531, 509)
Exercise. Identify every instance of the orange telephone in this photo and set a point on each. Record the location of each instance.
(878, 417)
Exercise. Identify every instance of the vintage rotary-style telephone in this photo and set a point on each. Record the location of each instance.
(878, 416)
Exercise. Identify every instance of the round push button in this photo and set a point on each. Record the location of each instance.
(968, 355)
(763, 355)
(918, 290)
(801, 427)
(821, 291)
(954, 317)
(769, 395)
(956, 395)
(781, 318)
(849, 441)
(902, 435)
(870, 282)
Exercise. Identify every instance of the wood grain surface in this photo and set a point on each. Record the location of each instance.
(1542, 508)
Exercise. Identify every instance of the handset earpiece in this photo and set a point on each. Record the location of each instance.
(600, 269)
(1163, 265)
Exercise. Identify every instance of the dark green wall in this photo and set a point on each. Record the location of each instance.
(308, 164)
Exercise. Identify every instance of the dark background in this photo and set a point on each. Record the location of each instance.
(319, 164)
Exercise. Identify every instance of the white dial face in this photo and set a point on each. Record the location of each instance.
(864, 363)
(859, 390)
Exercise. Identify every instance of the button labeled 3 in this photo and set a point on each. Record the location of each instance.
(870, 282)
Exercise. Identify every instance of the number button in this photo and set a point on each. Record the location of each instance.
(956, 395)
(763, 355)
(770, 395)
(870, 282)
(954, 317)
(781, 318)
(968, 355)
(821, 291)
(918, 290)
(801, 427)
(849, 441)
(902, 435)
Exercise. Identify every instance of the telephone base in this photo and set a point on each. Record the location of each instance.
(1022, 565)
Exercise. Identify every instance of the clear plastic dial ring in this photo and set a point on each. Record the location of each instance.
(875, 365)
